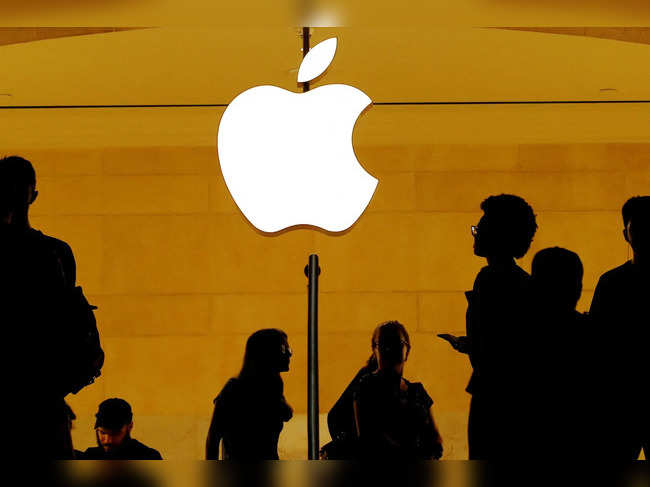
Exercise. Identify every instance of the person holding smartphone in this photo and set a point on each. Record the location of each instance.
(497, 314)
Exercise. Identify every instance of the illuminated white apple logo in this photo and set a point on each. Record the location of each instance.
(287, 158)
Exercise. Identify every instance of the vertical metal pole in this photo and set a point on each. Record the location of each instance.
(313, 271)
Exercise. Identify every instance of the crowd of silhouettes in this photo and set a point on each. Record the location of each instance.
(547, 381)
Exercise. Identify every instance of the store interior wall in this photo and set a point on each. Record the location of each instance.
(181, 278)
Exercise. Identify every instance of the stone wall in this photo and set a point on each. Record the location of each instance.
(181, 279)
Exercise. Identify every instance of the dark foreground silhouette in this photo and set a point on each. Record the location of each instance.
(54, 345)
(250, 411)
(340, 419)
(497, 313)
(562, 409)
(621, 313)
(393, 416)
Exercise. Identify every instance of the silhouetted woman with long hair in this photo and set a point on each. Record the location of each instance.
(393, 416)
(250, 411)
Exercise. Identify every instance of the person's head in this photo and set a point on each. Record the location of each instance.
(17, 186)
(636, 221)
(267, 352)
(506, 228)
(113, 423)
(391, 345)
(557, 278)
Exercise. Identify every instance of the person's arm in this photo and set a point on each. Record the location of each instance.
(361, 423)
(435, 450)
(597, 308)
(491, 304)
(357, 424)
(340, 419)
(69, 265)
(216, 430)
(214, 438)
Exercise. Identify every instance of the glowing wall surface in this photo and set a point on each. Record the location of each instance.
(181, 279)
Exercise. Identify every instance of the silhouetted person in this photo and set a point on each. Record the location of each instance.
(560, 404)
(36, 271)
(393, 416)
(497, 315)
(340, 419)
(113, 426)
(250, 411)
(621, 313)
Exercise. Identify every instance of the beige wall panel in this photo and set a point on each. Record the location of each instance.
(362, 312)
(48, 198)
(442, 312)
(595, 236)
(63, 162)
(584, 157)
(395, 192)
(341, 355)
(464, 191)
(150, 160)
(85, 402)
(293, 439)
(220, 358)
(638, 183)
(465, 157)
(84, 235)
(632, 157)
(376, 255)
(243, 314)
(79, 195)
(453, 429)
(75, 162)
(44, 165)
(180, 294)
(170, 375)
(132, 316)
(158, 254)
(175, 437)
(178, 194)
(387, 158)
(443, 371)
(244, 260)
(444, 254)
(220, 199)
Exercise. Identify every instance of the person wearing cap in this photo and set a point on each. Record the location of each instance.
(113, 430)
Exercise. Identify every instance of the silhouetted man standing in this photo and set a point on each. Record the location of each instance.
(560, 398)
(113, 425)
(621, 312)
(497, 318)
(36, 270)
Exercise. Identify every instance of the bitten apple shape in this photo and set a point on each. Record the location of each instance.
(287, 158)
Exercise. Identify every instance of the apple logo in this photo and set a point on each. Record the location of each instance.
(287, 158)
